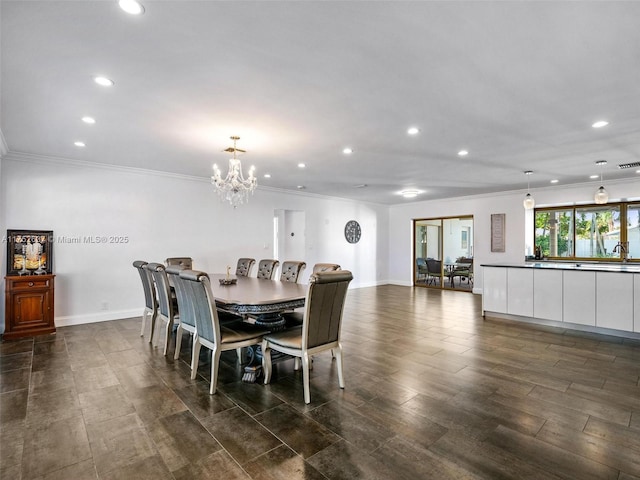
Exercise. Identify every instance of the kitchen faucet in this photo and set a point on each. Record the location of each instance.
(622, 247)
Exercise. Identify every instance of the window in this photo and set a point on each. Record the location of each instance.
(554, 232)
(633, 231)
(593, 232)
(597, 231)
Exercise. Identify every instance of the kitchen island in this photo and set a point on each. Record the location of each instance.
(599, 297)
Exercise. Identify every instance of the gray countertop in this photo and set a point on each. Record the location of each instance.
(578, 266)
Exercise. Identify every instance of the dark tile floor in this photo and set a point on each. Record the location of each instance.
(433, 391)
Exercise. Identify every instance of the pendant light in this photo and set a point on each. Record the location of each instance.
(601, 197)
(528, 202)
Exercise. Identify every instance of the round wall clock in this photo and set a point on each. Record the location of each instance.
(352, 231)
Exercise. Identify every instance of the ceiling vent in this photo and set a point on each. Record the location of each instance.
(629, 165)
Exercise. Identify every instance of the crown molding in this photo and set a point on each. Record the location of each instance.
(49, 160)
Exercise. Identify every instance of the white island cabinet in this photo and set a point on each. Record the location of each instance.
(520, 292)
(548, 293)
(614, 301)
(494, 293)
(603, 298)
(579, 297)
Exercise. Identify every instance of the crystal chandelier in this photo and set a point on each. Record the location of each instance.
(234, 188)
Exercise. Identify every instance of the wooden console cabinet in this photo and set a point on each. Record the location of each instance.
(28, 306)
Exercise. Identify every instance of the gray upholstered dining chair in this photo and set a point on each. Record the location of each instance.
(291, 271)
(267, 268)
(320, 329)
(325, 267)
(186, 319)
(243, 269)
(210, 333)
(150, 300)
(186, 262)
(167, 305)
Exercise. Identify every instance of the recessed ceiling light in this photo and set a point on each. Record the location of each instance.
(347, 151)
(637, 171)
(594, 176)
(463, 153)
(267, 175)
(362, 185)
(79, 144)
(301, 187)
(301, 165)
(409, 193)
(103, 81)
(413, 131)
(131, 6)
(600, 124)
(555, 180)
(89, 120)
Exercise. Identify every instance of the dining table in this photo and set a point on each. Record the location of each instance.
(262, 300)
(258, 301)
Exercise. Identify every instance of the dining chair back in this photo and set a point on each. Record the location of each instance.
(186, 262)
(421, 268)
(325, 267)
(243, 269)
(167, 305)
(434, 268)
(209, 332)
(267, 268)
(150, 300)
(320, 329)
(291, 271)
(187, 320)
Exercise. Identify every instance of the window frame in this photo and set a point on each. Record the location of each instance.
(623, 208)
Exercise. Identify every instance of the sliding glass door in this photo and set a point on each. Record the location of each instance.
(443, 252)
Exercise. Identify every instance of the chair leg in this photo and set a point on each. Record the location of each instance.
(339, 361)
(145, 314)
(239, 353)
(266, 362)
(305, 378)
(296, 363)
(167, 337)
(195, 356)
(176, 354)
(215, 361)
(153, 325)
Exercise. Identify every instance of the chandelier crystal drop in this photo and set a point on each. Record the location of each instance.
(528, 201)
(234, 188)
(601, 196)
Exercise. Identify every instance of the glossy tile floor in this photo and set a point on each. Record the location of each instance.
(433, 391)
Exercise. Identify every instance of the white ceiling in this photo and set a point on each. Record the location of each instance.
(518, 84)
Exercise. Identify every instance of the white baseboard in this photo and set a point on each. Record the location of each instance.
(97, 317)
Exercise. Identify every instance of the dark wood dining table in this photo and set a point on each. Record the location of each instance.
(262, 300)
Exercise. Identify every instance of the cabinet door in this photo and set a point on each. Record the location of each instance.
(579, 297)
(614, 301)
(547, 299)
(494, 289)
(31, 309)
(520, 291)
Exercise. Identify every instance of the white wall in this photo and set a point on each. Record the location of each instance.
(163, 216)
(481, 207)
